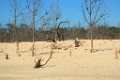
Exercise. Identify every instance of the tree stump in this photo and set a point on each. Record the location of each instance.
(77, 42)
(7, 56)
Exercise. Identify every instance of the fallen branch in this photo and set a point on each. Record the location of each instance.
(38, 63)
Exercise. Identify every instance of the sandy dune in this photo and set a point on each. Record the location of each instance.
(72, 64)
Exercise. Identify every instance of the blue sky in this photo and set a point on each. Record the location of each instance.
(71, 10)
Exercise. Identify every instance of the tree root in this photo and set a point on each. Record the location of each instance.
(38, 63)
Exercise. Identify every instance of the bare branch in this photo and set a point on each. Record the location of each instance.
(84, 16)
(61, 23)
(28, 5)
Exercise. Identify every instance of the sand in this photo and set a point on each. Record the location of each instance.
(72, 64)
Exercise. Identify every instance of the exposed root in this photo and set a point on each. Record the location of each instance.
(38, 63)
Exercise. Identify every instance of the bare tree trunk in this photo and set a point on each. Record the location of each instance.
(91, 51)
(17, 50)
(33, 26)
(15, 5)
(33, 49)
(91, 27)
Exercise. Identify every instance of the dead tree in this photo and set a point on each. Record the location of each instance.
(93, 11)
(34, 6)
(58, 28)
(15, 6)
(56, 10)
(38, 63)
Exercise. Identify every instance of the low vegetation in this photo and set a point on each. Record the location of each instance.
(25, 33)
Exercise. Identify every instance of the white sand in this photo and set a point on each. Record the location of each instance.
(79, 65)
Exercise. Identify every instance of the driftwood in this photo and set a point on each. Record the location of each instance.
(38, 63)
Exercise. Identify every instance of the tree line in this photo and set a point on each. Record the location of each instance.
(24, 33)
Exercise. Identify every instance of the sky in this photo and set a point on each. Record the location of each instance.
(71, 10)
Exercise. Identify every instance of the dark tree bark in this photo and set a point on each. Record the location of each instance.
(58, 27)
